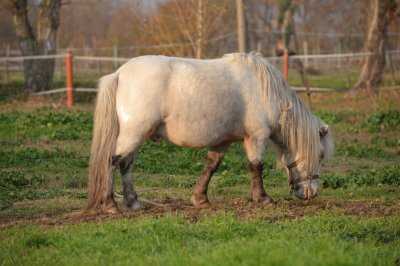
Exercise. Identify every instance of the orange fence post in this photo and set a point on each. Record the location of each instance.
(285, 64)
(70, 79)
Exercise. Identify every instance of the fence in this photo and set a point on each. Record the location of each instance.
(342, 69)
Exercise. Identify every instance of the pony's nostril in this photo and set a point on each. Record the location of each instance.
(308, 193)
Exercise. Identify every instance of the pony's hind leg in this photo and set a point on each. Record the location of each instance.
(130, 196)
(131, 137)
(126, 149)
(255, 150)
(212, 161)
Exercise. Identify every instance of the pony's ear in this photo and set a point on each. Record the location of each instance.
(323, 130)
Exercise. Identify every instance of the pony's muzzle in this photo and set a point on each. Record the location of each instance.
(307, 190)
(308, 193)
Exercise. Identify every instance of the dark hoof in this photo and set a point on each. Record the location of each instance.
(111, 207)
(265, 200)
(135, 206)
(200, 201)
(112, 210)
(202, 205)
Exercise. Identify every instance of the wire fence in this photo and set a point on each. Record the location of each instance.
(324, 71)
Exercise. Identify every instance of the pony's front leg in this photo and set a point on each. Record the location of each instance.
(255, 150)
(130, 197)
(213, 160)
(257, 188)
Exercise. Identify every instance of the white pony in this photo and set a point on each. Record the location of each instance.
(202, 103)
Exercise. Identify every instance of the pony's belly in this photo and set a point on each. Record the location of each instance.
(194, 137)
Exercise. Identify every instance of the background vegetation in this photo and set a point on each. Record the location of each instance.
(44, 151)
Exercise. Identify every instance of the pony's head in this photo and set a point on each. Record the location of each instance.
(302, 138)
(304, 175)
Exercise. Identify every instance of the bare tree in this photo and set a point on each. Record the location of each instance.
(38, 73)
(381, 13)
(259, 24)
(187, 27)
(286, 9)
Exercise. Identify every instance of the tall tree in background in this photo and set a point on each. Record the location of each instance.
(286, 9)
(380, 14)
(38, 73)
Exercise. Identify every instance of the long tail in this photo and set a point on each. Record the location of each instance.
(105, 132)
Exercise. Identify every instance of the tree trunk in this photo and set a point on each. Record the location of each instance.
(38, 73)
(380, 15)
(285, 24)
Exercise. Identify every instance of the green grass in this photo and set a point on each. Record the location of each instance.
(52, 125)
(43, 177)
(216, 239)
(385, 120)
(339, 79)
(373, 177)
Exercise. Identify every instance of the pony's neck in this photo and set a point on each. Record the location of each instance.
(296, 135)
(282, 148)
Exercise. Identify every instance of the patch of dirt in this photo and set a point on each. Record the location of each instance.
(243, 208)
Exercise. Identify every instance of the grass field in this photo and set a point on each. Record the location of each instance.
(44, 151)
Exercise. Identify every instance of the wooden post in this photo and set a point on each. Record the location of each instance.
(285, 64)
(70, 79)
(6, 66)
(392, 68)
(199, 41)
(241, 27)
(305, 51)
(339, 60)
(115, 54)
(86, 52)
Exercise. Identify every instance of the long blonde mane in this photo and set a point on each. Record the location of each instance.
(297, 127)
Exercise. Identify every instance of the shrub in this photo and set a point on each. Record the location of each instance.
(387, 120)
(357, 149)
(329, 117)
(387, 176)
(55, 125)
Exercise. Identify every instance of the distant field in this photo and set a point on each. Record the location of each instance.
(44, 151)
